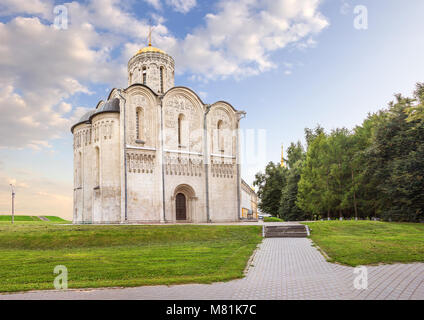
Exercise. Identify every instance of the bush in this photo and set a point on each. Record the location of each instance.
(272, 219)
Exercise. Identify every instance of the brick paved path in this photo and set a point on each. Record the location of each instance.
(282, 268)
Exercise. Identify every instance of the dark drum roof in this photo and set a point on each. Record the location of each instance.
(86, 116)
(109, 106)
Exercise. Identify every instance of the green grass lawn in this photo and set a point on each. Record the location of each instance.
(272, 219)
(99, 256)
(31, 218)
(18, 218)
(369, 242)
(56, 219)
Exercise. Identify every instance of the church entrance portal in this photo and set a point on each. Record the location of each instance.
(180, 206)
(183, 204)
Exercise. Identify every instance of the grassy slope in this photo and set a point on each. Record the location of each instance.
(31, 218)
(272, 219)
(98, 256)
(18, 218)
(56, 219)
(369, 242)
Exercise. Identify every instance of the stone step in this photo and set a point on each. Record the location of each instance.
(285, 235)
(285, 227)
(285, 231)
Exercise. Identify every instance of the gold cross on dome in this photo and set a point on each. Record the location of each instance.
(150, 36)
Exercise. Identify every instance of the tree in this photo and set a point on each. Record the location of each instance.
(338, 159)
(313, 181)
(398, 152)
(295, 153)
(289, 210)
(416, 112)
(365, 165)
(311, 134)
(376, 170)
(269, 186)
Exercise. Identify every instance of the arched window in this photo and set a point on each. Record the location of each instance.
(97, 171)
(161, 79)
(144, 75)
(139, 118)
(180, 130)
(130, 77)
(220, 136)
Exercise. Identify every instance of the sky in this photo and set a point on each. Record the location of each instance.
(289, 64)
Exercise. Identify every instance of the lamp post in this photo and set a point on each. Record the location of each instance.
(13, 203)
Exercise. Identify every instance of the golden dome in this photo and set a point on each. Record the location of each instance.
(150, 49)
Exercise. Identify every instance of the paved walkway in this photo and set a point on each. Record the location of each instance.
(282, 268)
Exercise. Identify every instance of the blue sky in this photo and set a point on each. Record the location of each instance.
(331, 74)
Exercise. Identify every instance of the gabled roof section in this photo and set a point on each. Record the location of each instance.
(225, 102)
(108, 106)
(186, 88)
(84, 119)
(141, 85)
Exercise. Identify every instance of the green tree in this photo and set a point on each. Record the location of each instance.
(375, 170)
(365, 182)
(397, 156)
(269, 186)
(338, 158)
(289, 210)
(416, 112)
(313, 182)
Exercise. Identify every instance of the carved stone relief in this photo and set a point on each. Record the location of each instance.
(140, 162)
(182, 164)
(175, 106)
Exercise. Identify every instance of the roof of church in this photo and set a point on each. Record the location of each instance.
(109, 106)
(112, 105)
(86, 117)
(150, 49)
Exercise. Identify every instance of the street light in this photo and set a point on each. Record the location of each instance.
(13, 203)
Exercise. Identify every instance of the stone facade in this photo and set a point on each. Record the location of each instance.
(249, 202)
(155, 153)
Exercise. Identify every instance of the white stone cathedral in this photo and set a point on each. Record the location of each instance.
(155, 153)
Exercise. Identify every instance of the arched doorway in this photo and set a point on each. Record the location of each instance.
(184, 203)
(180, 207)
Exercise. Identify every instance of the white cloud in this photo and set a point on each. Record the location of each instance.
(41, 67)
(25, 125)
(111, 16)
(43, 8)
(306, 43)
(182, 6)
(238, 39)
(155, 4)
(65, 107)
